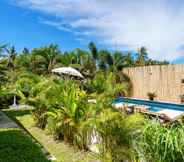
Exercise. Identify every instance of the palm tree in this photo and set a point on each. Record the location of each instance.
(23, 60)
(2, 48)
(105, 60)
(128, 60)
(11, 56)
(94, 53)
(48, 55)
(118, 60)
(142, 56)
(25, 51)
(3, 75)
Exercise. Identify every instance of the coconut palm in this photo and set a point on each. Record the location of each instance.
(94, 53)
(23, 61)
(2, 49)
(142, 56)
(3, 75)
(11, 56)
(105, 59)
(48, 54)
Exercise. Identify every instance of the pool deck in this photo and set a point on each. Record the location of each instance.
(171, 114)
(167, 111)
(156, 101)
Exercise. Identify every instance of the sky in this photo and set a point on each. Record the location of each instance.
(111, 24)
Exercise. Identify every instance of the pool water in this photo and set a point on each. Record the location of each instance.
(154, 106)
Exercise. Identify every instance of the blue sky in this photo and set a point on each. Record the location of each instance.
(112, 24)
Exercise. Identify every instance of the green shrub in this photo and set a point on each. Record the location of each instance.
(117, 133)
(163, 143)
(6, 99)
(151, 95)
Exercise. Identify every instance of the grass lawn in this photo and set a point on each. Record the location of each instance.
(17, 147)
(63, 152)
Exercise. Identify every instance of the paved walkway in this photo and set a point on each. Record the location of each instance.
(6, 122)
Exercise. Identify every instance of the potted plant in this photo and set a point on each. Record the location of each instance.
(151, 95)
(182, 98)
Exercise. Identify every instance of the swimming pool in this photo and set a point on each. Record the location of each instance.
(154, 106)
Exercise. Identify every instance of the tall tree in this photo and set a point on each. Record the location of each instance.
(142, 56)
(25, 51)
(128, 60)
(11, 56)
(23, 61)
(2, 48)
(3, 75)
(48, 56)
(118, 60)
(94, 52)
(105, 60)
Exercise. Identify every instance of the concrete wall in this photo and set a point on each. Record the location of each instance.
(165, 81)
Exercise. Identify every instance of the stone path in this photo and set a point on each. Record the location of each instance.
(6, 122)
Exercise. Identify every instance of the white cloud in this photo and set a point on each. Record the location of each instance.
(156, 24)
(59, 25)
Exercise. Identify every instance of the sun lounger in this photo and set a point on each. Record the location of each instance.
(118, 105)
(170, 115)
(141, 108)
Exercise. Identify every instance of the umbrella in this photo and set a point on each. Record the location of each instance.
(68, 71)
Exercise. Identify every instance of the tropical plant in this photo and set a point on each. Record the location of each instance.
(151, 95)
(94, 52)
(2, 49)
(11, 56)
(71, 110)
(48, 54)
(105, 60)
(107, 85)
(6, 99)
(162, 143)
(3, 75)
(142, 56)
(25, 83)
(116, 133)
(37, 99)
(23, 60)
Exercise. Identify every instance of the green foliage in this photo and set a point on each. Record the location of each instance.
(69, 111)
(11, 53)
(61, 106)
(107, 85)
(47, 58)
(16, 147)
(25, 83)
(6, 99)
(162, 143)
(142, 56)
(23, 60)
(93, 50)
(117, 132)
(3, 75)
(151, 95)
(38, 99)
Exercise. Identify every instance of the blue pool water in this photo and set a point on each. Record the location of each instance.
(154, 106)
